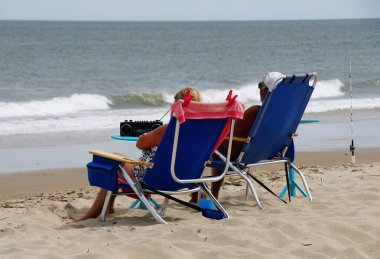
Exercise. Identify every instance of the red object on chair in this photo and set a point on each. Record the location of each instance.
(230, 99)
(187, 98)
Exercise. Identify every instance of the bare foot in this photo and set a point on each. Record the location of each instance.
(78, 219)
(84, 218)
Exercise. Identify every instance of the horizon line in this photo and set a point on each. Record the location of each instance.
(243, 20)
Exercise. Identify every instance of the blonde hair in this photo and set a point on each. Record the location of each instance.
(193, 91)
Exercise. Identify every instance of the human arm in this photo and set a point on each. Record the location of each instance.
(151, 139)
(241, 130)
(242, 126)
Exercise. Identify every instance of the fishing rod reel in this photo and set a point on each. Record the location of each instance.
(352, 150)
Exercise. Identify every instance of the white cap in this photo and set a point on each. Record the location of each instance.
(270, 78)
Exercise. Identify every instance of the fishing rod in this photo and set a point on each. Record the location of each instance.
(193, 84)
(352, 146)
(196, 81)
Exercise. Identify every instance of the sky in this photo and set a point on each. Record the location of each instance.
(186, 10)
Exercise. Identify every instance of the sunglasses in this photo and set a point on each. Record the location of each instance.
(261, 85)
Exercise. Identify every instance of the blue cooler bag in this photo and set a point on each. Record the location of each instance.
(102, 172)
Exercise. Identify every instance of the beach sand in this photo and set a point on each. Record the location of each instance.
(342, 221)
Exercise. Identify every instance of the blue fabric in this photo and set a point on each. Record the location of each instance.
(213, 214)
(220, 165)
(278, 118)
(119, 137)
(102, 172)
(290, 153)
(197, 139)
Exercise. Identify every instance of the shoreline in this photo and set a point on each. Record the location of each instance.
(23, 184)
(70, 149)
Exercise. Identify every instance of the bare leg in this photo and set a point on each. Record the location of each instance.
(194, 197)
(128, 168)
(215, 186)
(111, 209)
(96, 207)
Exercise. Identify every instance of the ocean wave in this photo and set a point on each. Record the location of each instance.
(328, 89)
(140, 100)
(56, 106)
(110, 118)
(59, 106)
(317, 106)
(249, 93)
(89, 121)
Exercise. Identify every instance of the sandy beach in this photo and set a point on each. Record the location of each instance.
(340, 222)
(72, 71)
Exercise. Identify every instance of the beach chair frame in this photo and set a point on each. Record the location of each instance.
(200, 184)
(241, 166)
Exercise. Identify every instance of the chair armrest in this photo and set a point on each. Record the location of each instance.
(245, 140)
(200, 180)
(120, 158)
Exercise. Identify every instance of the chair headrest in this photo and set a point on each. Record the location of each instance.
(271, 79)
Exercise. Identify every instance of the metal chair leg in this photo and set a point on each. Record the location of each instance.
(136, 187)
(163, 207)
(214, 200)
(249, 183)
(102, 217)
(303, 180)
(287, 180)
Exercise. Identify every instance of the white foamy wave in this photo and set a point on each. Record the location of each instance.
(168, 98)
(249, 94)
(328, 89)
(108, 119)
(343, 104)
(55, 106)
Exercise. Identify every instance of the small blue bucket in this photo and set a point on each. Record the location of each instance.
(206, 204)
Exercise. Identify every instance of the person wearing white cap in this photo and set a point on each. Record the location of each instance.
(268, 80)
(241, 129)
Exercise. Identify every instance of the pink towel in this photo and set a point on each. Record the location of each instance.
(199, 110)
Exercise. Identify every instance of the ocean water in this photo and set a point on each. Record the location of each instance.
(71, 83)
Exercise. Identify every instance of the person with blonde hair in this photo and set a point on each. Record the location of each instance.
(147, 143)
(197, 97)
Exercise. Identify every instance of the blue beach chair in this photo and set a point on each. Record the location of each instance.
(178, 163)
(270, 139)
